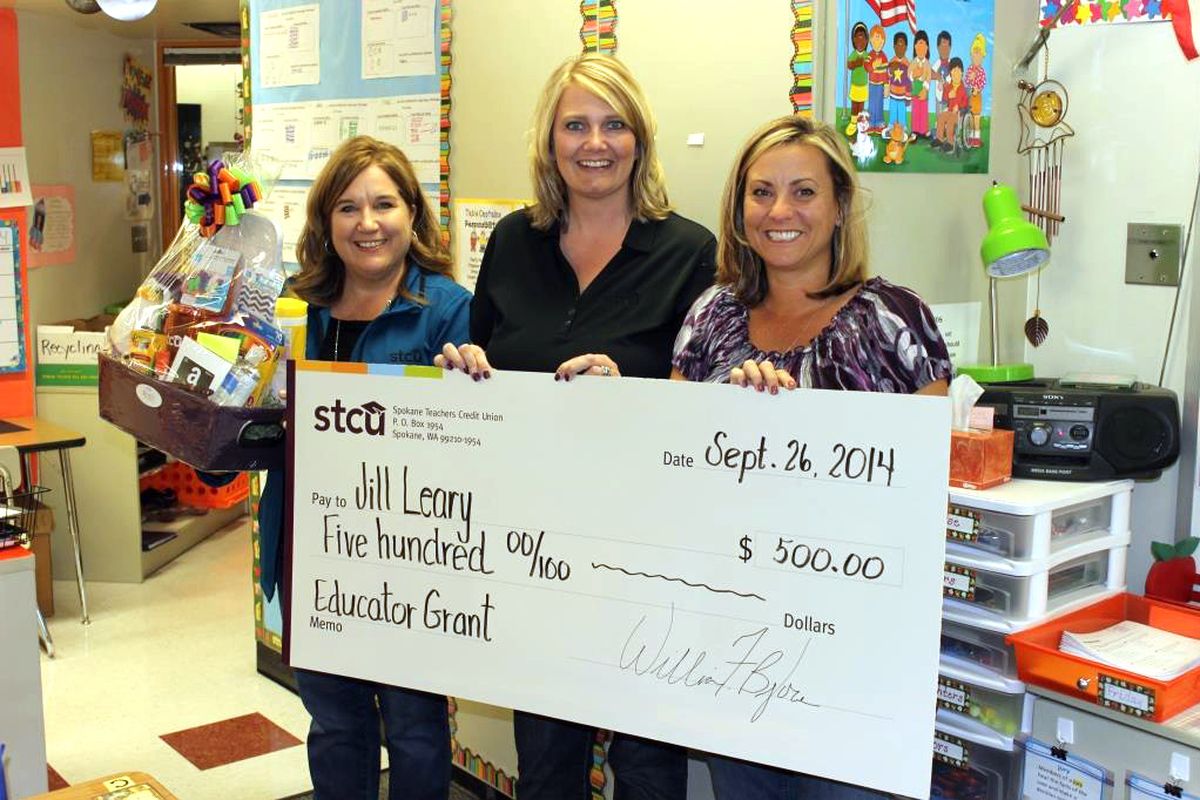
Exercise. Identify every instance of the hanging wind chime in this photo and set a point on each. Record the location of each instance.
(1042, 108)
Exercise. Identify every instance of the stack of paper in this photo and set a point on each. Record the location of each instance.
(1137, 648)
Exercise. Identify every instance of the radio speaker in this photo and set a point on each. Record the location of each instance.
(1088, 433)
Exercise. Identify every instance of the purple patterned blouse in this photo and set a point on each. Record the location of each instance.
(883, 340)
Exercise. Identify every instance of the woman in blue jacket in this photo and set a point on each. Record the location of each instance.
(378, 282)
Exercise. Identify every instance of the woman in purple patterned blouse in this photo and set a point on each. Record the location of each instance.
(793, 306)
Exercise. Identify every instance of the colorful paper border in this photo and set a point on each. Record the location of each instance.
(447, 35)
(598, 32)
(802, 58)
(1088, 12)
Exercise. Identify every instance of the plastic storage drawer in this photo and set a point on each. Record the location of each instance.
(1010, 595)
(985, 697)
(1028, 519)
(973, 763)
(979, 648)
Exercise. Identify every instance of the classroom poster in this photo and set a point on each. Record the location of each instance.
(914, 90)
(12, 337)
(108, 156)
(474, 221)
(52, 226)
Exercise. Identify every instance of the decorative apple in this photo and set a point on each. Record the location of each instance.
(1173, 575)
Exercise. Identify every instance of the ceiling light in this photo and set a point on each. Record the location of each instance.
(127, 10)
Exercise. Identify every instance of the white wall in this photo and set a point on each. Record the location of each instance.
(71, 85)
(722, 69)
(1135, 108)
(213, 87)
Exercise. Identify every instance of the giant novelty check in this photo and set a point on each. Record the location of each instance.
(740, 573)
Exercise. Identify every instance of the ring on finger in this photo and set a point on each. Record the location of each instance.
(605, 371)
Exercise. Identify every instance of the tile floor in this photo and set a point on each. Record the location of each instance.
(163, 681)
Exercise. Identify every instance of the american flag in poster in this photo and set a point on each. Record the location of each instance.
(892, 11)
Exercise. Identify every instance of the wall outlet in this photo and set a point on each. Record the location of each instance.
(1152, 254)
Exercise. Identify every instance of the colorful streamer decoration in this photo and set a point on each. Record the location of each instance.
(444, 135)
(802, 59)
(599, 30)
(220, 196)
(1089, 12)
(1086, 12)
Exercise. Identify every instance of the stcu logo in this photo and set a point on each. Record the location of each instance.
(367, 418)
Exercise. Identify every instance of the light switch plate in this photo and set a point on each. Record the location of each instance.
(1152, 254)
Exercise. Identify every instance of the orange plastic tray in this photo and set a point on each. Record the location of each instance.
(191, 491)
(1040, 662)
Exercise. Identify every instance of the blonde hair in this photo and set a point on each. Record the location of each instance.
(738, 266)
(611, 81)
(979, 43)
(322, 274)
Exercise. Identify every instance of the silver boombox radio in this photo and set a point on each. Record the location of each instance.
(1087, 433)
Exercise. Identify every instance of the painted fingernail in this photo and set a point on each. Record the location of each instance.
(557, 377)
(476, 377)
(487, 373)
(774, 390)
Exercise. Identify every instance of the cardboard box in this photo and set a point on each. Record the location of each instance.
(66, 351)
(980, 459)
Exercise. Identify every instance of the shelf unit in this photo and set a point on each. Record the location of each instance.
(106, 490)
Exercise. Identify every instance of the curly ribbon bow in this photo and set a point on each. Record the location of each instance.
(220, 196)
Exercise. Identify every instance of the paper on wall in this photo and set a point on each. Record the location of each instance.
(959, 324)
(396, 39)
(303, 135)
(290, 46)
(474, 221)
(14, 178)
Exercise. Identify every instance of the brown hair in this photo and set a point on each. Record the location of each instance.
(322, 274)
(738, 266)
(611, 81)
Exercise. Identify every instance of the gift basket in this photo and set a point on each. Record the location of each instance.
(192, 360)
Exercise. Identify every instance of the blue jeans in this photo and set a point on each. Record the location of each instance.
(742, 780)
(554, 758)
(344, 739)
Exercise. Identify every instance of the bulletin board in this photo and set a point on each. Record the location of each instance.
(323, 72)
(12, 324)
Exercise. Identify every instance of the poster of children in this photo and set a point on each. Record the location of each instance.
(914, 89)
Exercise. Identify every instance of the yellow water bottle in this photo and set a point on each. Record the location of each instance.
(291, 317)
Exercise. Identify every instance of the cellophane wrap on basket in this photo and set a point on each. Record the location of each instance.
(205, 316)
(190, 359)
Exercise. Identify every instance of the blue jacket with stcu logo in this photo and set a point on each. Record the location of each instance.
(405, 333)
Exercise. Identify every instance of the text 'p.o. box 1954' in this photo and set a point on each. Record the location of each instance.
(740, 573)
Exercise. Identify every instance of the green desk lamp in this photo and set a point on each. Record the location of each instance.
(1012, 247)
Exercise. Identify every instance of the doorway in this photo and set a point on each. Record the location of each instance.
(200, 115)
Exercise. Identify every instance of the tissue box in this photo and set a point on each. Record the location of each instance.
(980, 459)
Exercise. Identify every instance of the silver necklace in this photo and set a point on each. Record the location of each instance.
(337, 335)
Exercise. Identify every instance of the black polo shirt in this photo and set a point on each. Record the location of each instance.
(528, 313)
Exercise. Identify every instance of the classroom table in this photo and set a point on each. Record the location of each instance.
(35, 435)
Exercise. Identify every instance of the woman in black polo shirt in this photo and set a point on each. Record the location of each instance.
(594, 278)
